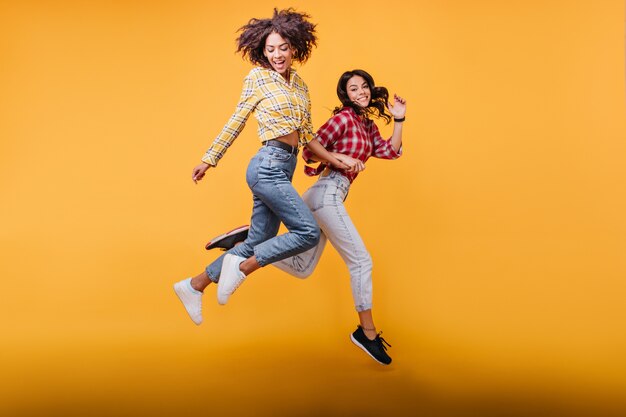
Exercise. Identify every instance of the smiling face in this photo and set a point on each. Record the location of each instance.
(358, 91)
(279, 53)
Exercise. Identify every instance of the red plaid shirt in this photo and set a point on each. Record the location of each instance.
(346, 133)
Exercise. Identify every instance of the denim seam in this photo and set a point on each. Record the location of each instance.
(360, 306)
(359, 282)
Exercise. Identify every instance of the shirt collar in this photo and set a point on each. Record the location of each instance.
(354, 114)
(277, 77)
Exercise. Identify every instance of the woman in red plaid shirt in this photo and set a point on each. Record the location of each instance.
(352, 137)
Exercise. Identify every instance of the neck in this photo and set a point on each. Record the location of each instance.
(286, 75)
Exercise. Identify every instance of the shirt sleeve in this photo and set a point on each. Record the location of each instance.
(307, 128)
(382, 148)
(234, 126)
(328, 134)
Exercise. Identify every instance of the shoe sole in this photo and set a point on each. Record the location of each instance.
(178, 294)
(356, 342)
(236, 235)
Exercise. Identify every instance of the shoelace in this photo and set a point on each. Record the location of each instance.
(382, 341)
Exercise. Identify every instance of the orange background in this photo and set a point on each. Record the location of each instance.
(498, 238)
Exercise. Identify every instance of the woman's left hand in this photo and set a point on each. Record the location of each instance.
(398, 108)
(354, 165)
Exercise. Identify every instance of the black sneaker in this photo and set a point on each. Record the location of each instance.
(375, 348)
(228, 239)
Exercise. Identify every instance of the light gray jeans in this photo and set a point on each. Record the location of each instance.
(325, 199)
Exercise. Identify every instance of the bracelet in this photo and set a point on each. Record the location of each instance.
(399, 120)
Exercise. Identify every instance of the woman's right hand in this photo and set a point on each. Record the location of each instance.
(354, 165)
(199, 171)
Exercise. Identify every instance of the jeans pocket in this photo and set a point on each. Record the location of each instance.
(333, 197)
(280, 155)
(343, 187)
(314, 196)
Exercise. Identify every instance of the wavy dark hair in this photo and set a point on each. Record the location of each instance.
(291, 25)
(378, 100)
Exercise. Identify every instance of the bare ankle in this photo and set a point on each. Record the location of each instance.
(370, 332)
(199, 286)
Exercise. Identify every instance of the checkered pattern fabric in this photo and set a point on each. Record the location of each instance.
(280, 108)
(346, 133)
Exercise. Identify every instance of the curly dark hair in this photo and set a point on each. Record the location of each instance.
(378, 100)
(291, 25)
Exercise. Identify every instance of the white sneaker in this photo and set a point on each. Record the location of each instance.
(230, 277)
(191, 299)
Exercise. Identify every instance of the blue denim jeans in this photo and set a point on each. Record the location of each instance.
(325, 199)
(275, 200)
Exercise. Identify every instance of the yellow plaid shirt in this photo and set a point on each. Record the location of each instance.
(279, 106)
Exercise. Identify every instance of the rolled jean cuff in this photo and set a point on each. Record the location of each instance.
(363, 307)
(259, 258)
(215, 280)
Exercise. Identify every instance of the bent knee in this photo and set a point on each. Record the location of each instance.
(365, 262)
(302, 274)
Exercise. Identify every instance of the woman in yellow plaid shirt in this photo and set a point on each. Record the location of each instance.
(280, 101)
